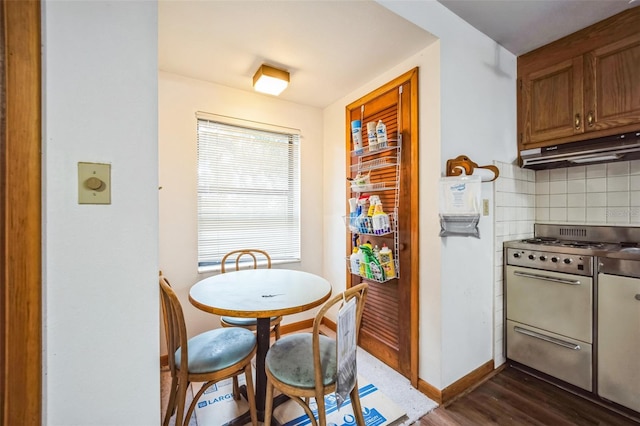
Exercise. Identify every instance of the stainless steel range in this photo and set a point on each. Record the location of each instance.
(572, 308)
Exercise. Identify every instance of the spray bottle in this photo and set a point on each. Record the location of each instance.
(381, 223)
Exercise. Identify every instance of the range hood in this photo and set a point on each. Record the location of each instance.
(622, 147)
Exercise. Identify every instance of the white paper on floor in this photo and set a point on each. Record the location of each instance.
(217, 406)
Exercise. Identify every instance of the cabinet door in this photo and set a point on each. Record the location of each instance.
(552, 102)
(612, 85)
(619, 340)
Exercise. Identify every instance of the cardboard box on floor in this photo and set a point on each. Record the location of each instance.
(217, 406)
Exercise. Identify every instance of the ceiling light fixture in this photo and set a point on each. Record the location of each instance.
(270, 80)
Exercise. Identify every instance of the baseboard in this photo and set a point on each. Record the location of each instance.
(459, 387)
(330, 324)
(296, 326)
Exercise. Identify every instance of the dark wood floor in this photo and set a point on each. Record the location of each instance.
(516, 398)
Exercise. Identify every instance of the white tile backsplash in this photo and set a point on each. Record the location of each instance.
(542, 187)
(576, 214)
(596, 215)
(597, 185)
(558, 214)
(558, 200)
(578, 172)
(576, 186)
(596, 170)
(618, 183)
(618, 199)
(558, 187)
(618, 169)
(595, 194)
(596, 199)
(577, 200)
(542, 200)
(558, 175)
(542, 176)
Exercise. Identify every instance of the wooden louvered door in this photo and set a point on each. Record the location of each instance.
(389, 327)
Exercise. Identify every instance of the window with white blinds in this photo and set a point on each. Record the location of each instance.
(248, 192)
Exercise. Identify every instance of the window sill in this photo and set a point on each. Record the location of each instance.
(216, 268)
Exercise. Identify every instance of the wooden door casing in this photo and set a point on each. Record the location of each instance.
(20, 184)
(390, 321)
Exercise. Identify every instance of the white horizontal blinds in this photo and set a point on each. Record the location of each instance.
(248, 192)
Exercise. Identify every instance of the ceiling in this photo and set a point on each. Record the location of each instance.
(523, 25)
(332, 47)
(329, 47)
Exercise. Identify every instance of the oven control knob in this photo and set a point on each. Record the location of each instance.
(554, 259)
(543, 257)
(516, 255)
(531, 257)
(567, 261)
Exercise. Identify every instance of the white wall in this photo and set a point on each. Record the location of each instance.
(179, 100)
(478, 118)
(100, 266)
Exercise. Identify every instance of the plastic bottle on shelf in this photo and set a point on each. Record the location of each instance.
(354, 260)
(372, 136)
(362, 264)
(386, 260)
(376, 252)
(373, 269)
(381, 134)
(373, 201)
(381, 223)
(356, 133)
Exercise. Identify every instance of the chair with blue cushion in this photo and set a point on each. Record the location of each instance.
(304, 366)
(208, 357)
(256, 255)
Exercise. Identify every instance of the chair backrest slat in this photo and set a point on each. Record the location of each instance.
(245, 252)
(175, 327)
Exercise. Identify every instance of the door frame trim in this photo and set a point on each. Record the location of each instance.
(21, 214)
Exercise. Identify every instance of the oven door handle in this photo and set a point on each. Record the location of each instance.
(546, 278)
(553, 340)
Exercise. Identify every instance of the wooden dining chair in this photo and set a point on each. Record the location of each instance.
(209, 357)
(255, 255)
(304, 365)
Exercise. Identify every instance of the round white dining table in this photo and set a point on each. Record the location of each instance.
(260, 294)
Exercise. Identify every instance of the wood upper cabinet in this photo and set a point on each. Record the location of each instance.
(584, 86)
(552, 101)
(612, 85)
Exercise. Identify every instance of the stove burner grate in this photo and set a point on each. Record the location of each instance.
(582, 244)
(541, 240)
(549, 241)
